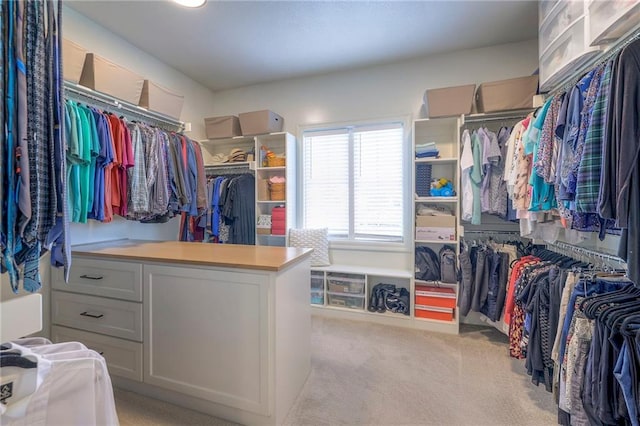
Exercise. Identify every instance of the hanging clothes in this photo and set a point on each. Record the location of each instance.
(33, 171)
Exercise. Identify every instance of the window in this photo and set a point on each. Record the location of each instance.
(353, 181)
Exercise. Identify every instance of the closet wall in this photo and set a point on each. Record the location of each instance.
(377, 92)
(198, 103)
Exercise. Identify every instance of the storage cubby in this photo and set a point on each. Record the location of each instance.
(317, 288)
(266, 196)
(348, 288)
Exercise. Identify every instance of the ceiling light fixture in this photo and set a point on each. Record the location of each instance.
(191, 3)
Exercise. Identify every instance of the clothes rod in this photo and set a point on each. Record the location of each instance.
(490, 232)
(83, 94)
(497, 116)
(243, 167)
(565, 85)
(584, 251)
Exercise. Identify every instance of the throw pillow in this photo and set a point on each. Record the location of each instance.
(317, 239)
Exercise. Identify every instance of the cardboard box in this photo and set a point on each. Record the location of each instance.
(441, 297)
(503, 95)
(263, 231)
(449, 101)
(260, 122)
(157, 98)
(104, 76)
(436, 221)
(436, 228)
(72, 60)
(226, 126)
(432, 312)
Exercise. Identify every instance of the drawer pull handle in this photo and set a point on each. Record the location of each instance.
(91, 277)
(87, 314)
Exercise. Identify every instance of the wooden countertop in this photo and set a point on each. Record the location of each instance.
(263, 258)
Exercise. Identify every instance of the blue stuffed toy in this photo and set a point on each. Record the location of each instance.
(442, 188)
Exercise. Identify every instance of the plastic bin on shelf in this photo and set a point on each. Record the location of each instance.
(346, 301)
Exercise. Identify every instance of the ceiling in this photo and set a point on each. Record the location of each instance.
(229, 44)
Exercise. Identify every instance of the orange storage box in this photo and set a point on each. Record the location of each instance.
(433, 312)
(432, 296)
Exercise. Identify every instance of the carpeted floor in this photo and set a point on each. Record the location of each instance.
(368, 374)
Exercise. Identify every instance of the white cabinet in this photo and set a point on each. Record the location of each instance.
(101, 307)
(215, 320)
(227, 337)
(267, 196)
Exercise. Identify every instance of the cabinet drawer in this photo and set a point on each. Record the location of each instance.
(565, 54)
(610, 20)
(124, 358)
(116, 318)
(562, 17)
(120, 280)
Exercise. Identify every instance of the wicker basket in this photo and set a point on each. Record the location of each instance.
(275, 161)
(276, 191)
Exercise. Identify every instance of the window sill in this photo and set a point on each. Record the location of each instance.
(369, 246)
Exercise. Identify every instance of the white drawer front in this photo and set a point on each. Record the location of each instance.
(124, 358)
(116, 318)
(121, 280)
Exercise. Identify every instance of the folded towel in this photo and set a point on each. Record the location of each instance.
(427, 154)
(427, 145)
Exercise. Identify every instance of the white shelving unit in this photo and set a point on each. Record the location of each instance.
(445, 132)
(282, 144)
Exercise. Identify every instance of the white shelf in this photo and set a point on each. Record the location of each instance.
(271, 168)
(437, 241)
(362, 270)
(436, 160)
(390, 315)
(239, 164)
(273, 201)
(436, 199)
(437, 321)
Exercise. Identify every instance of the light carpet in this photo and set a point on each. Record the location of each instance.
(369, 374)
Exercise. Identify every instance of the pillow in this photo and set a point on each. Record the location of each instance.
(317, 239)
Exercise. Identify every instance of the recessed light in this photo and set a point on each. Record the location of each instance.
(191, 3)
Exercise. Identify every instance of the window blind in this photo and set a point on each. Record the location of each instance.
(353, 181)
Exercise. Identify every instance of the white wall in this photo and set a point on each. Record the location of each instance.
(382, 91)
(198, 103)
(377, 92)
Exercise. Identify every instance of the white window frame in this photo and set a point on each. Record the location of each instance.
(408, 208)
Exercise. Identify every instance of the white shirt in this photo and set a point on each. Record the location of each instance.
(72, 387)
(466, 164)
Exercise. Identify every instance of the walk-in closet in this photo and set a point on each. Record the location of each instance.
(319, 213)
